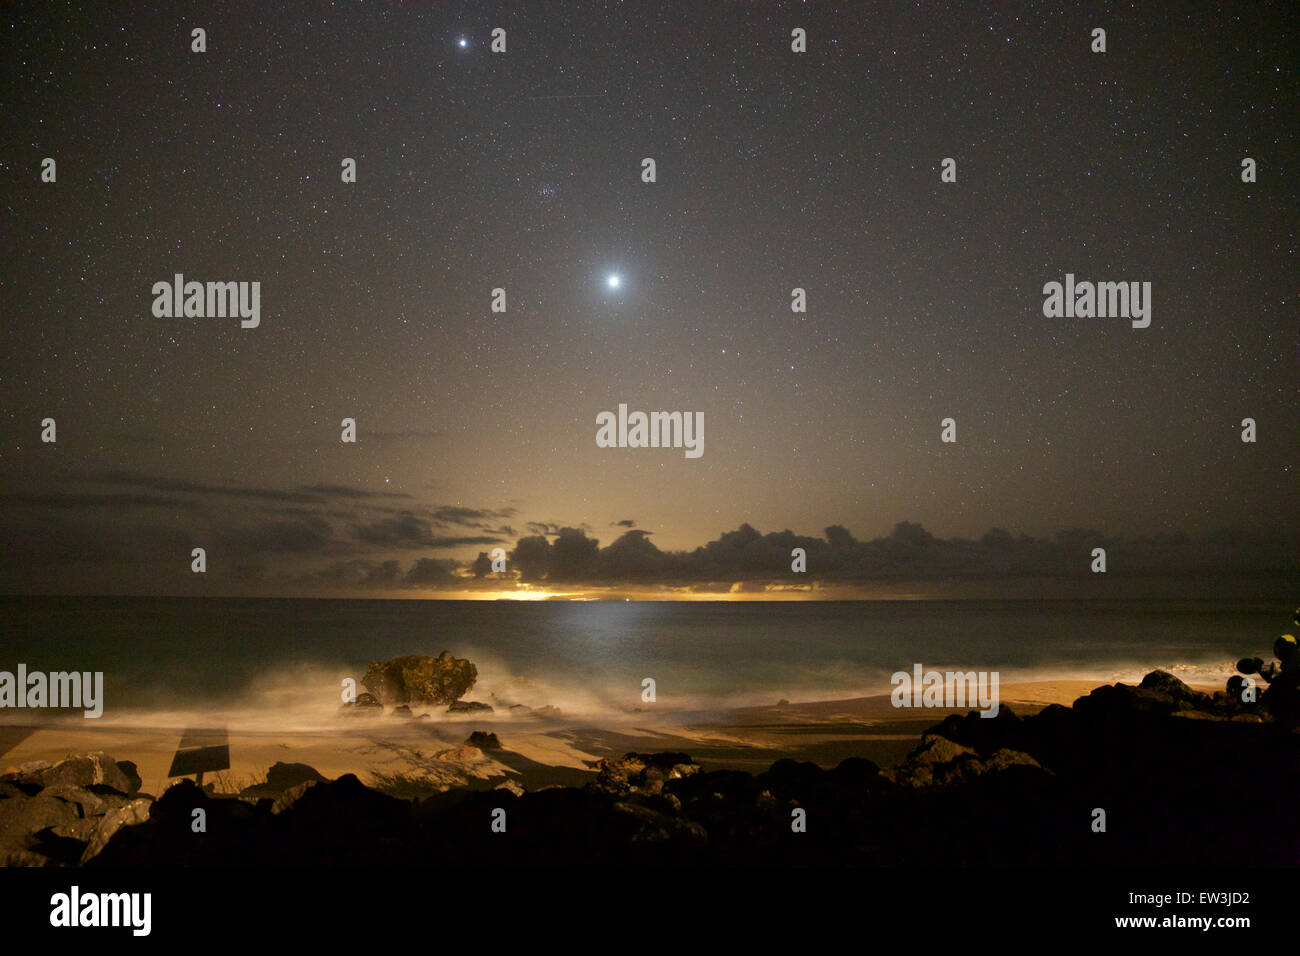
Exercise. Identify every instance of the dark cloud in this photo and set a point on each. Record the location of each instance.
(404, 531)
(77, 501)
(625, 523)
(430, 572)
(300, 536)
(448, 514)
(409, 531)
(342, 491)
(137, 480)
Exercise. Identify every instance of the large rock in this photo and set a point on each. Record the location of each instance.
(83, 770)
(132, 814)
(21, 818)
(469, 707)
(364, 704)
(642, 773)
(939, 762)
(281, 778)
(420, 679)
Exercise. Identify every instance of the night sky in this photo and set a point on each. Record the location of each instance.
(522, 170)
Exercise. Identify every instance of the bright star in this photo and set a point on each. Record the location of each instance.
(462, 42)
(614, 281)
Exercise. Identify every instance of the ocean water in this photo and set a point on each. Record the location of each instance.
(286, 658)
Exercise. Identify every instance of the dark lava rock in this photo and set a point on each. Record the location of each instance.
(364, 704)
(132, 775)
(642, 773)
(483, 741)
(420, 679)
(469, 707)
(82, 770)
(282, 777)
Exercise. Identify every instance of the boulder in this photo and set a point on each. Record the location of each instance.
(364, 704)
(82, 770)
(132, 814)
(132, 774)
(23, 817)
(291, 796)
(420, 679)
(483, 741)
(939, 762)
(281, 778)
(642, 773)
(92, 803)
(469, 707)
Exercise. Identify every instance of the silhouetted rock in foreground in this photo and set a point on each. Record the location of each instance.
(282, 777)
(1184, 780)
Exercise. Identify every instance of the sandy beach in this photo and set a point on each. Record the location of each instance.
(535, 751)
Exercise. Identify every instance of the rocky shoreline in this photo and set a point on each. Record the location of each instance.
(1155, 774)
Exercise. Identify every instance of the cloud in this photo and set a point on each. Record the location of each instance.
(409, 531)
(342, 491)
(447, 514)
(300, 536)
(89, 501)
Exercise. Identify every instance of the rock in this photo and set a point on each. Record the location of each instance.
(21, 818)
(1159, 694)
(281, 778)
(132, 814)
(82, 770)
(286, 775)
(783, 703)
(11, 787)
(483, 741)
(1169, 686)
(420, 679)
(364, 704)
(939, 762)
(651, 826)
(291, 796)
(469, 707)
(642, 773)
(28, 775)
(462, 754)
(511, 785)
(936, 749)
(132, 775)
(91, 803)
(402, 710)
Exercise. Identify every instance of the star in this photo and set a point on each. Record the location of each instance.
(462, 43)
(615, 281)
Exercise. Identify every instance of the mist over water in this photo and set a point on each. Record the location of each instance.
(278, 664)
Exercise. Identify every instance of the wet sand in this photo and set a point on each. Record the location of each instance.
(536, 751)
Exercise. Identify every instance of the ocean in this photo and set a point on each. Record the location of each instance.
(286, 658)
